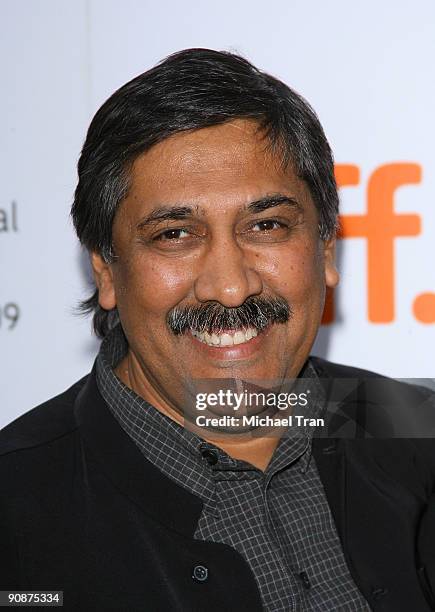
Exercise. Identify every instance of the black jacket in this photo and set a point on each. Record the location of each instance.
(81, 510)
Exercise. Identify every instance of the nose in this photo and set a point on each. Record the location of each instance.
(225, 275)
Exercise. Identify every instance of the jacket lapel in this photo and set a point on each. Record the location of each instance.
(374, 512)
(127, 468)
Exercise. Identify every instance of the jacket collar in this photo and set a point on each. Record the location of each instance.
(135, 476)
(127, 468)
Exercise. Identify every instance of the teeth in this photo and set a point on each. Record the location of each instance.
(226, 338)
(239, 337)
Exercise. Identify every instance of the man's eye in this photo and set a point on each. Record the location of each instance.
(267, 225)
(172, 234)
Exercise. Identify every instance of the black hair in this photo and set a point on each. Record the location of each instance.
(190, 90)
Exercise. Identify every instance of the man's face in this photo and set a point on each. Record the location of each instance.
(210, 218)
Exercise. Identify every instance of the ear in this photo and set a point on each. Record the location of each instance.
(103, 276)
(332, 276)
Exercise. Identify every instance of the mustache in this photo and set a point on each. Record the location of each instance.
(256, 311)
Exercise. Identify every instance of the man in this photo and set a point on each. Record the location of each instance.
(207, 201)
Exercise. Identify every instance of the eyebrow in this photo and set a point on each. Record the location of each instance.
(166, 213)
(272, 201)
(171, 213)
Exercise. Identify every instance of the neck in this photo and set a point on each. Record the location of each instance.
(256, 450)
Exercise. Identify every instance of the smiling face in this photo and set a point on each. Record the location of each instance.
(211, 220)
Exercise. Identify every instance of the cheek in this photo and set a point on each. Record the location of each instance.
(147, 287)
(296, 274)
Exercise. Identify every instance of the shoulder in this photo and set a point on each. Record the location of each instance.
(373, 380)
(43, 424)
(392, 417)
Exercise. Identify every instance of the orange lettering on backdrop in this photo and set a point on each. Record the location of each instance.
(424, 308)
(380, 226)
(345, 175)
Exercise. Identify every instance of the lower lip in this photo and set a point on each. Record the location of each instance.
(232, 353)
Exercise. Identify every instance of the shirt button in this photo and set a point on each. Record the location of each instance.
(200, 573)
(305, 580)
(210, 456)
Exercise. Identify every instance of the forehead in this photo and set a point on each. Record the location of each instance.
(229, 163)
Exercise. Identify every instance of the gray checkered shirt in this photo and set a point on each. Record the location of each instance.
(278, 520)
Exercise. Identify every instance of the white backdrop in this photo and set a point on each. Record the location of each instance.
(367, 69)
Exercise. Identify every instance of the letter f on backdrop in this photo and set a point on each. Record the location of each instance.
(380, 226)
